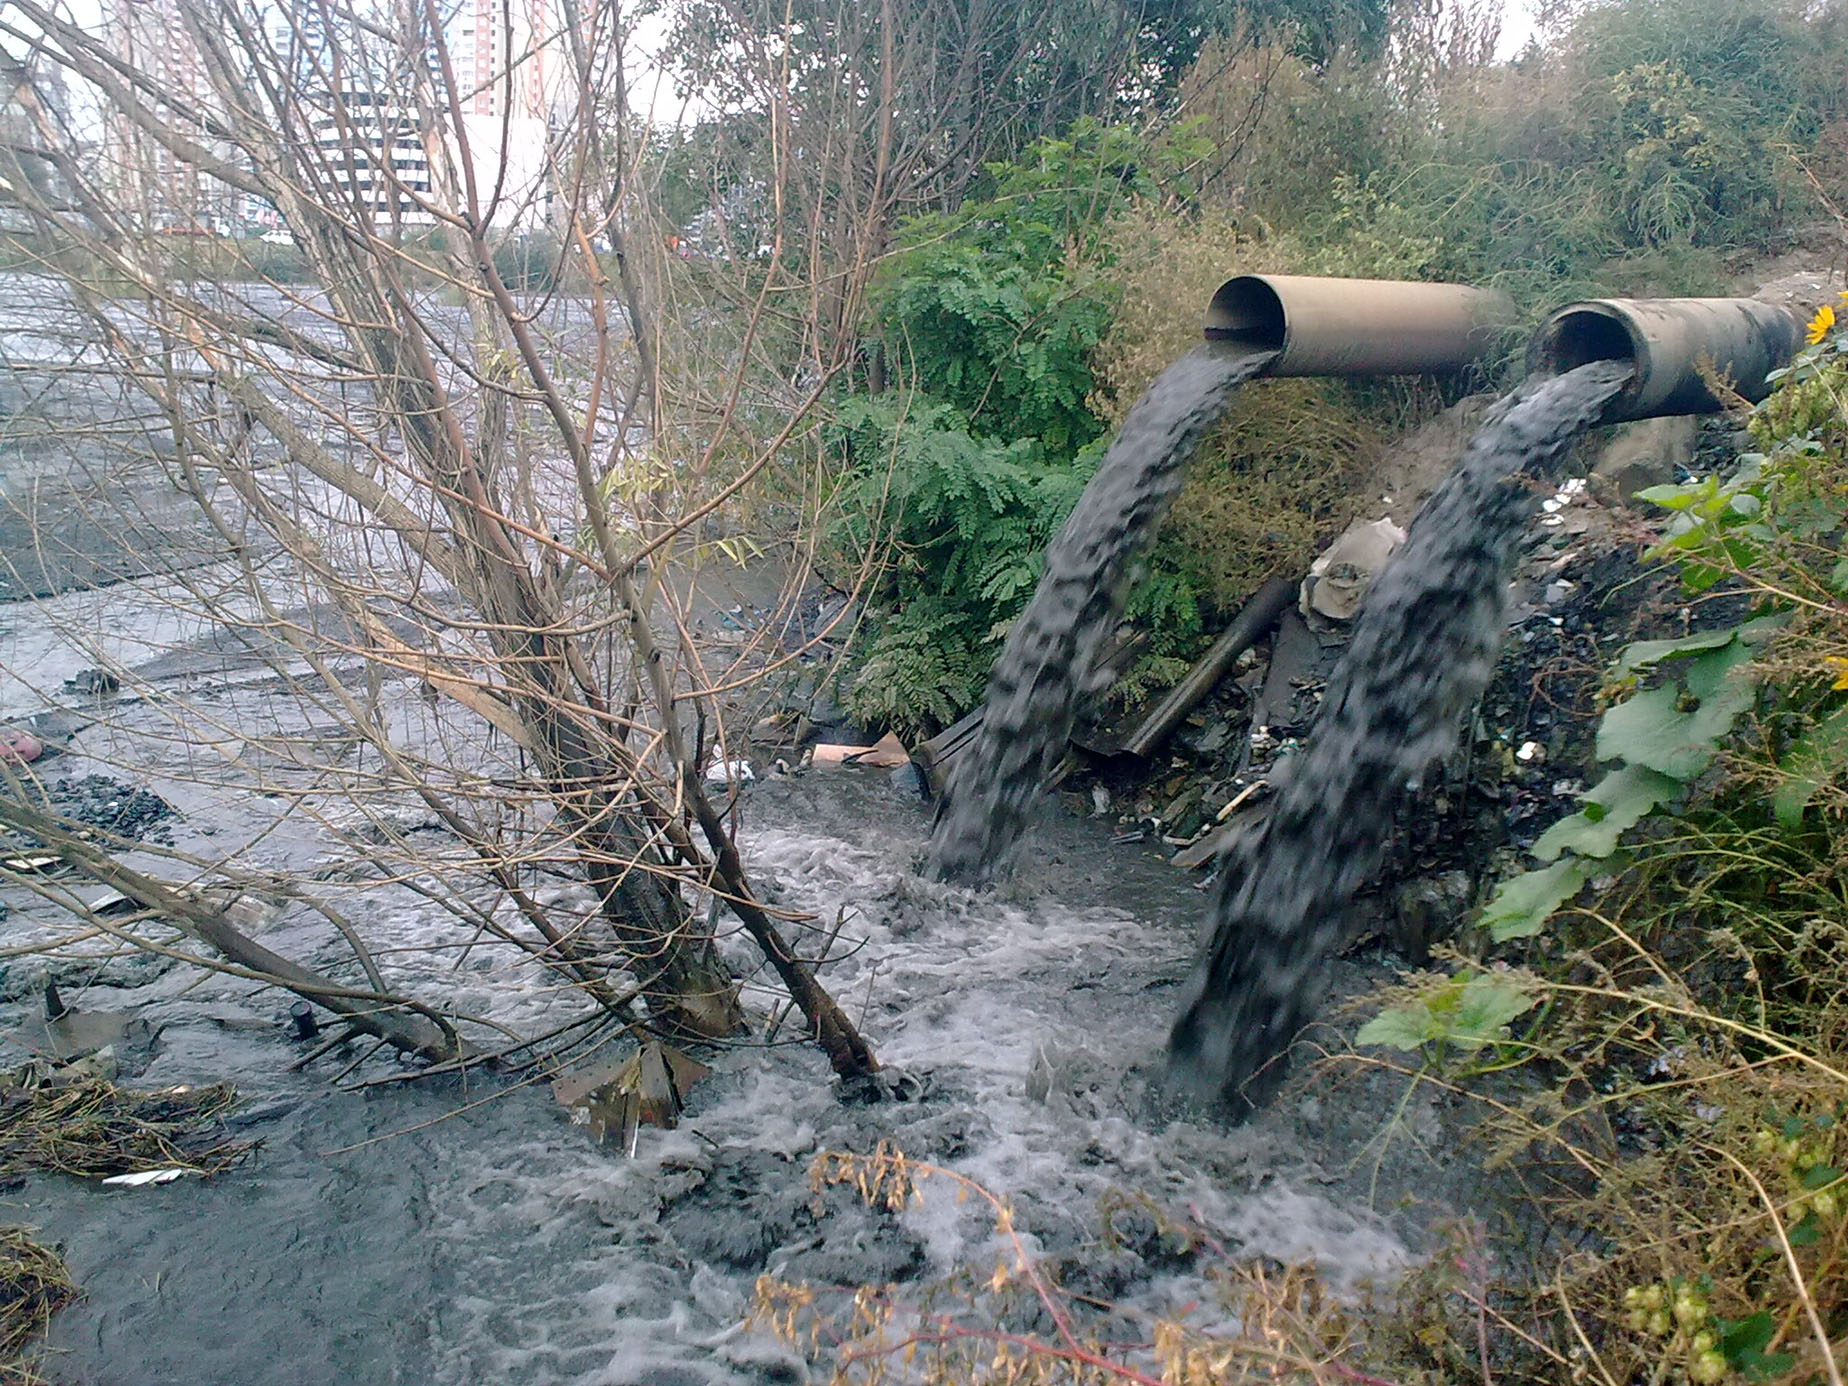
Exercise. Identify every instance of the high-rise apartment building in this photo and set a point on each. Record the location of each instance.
(173, 193)
(370, 140)
(486, 51)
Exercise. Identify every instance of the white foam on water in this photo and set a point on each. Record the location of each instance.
(569, 1283)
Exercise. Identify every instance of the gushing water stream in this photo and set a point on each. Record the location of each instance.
(1037, 684)
(1422, 652)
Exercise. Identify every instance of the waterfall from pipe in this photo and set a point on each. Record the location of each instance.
(1038, 682)
(1423, 649)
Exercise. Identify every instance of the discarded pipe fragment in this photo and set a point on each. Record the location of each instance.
(1674, 345)
(302, 1021)
(1357, 326)
(1247, 628)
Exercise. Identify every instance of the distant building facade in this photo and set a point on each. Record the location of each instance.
(368, 141)
(147, 177)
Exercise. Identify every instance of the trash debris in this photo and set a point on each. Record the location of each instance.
(1341, 576)
(252, 913)
(911, 781)
(19, 747)
(730, 772)
(888, 753)
(65, 1034)
(1250, 625)
(617, 1098)
(1531, 753)
(1649, 452)
(302, 1021)
(1240, 799)
(99, 682)
(888, 1084)
(32, 864)
(111, 902)
(936, 754)
(788, 728)
(92, 1129)
(142, 1178)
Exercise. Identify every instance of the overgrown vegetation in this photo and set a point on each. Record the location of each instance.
(989, 323)
(1686, 960)
(1635, 153)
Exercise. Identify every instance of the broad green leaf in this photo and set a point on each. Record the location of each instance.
(1684, 496)
(1747, 1335)
(1634, 656)
(1820, 1176)
(1769, 1366)
(1654, 729)
(1807, 1232)
(1466, 1013)
(1813, 762)
(1613, 805)
(1401, 1027)
(1488, 1002)
(1521, 907)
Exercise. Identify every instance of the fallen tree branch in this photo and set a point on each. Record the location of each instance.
(404, 1024)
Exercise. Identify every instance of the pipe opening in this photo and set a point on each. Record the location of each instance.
(1578, 338)
(1249, 313)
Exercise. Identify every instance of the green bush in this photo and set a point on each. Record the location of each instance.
(991, 319)
(967, 520)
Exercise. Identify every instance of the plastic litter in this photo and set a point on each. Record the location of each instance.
(144, 1178)
(1341, 576)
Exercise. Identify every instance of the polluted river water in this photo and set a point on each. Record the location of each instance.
(458, 1230)
(463, 1232)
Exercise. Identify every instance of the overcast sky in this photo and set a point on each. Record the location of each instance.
(1517, 28)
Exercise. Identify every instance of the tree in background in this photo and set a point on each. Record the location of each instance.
(495, 499)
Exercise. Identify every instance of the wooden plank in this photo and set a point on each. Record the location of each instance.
(1247, 628)
(933, 756)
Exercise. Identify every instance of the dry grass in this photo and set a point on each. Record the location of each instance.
(1290, 464)
(34, 1285)
(1284, 472)
(93, 1129)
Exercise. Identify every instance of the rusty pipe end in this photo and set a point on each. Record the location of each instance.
(1674, 346)
(1322, 326)
(1248, 312)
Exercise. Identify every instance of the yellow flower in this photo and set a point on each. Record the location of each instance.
(1840, 666)
(1821, 324)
